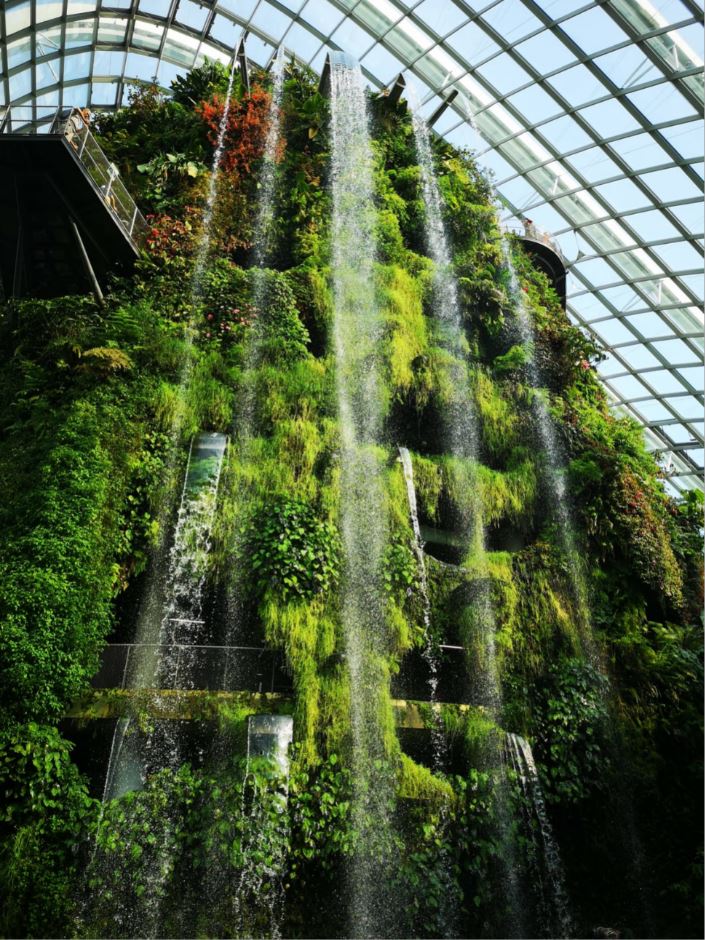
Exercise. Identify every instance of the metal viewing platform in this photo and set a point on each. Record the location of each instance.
(544, 251)
(67, 217)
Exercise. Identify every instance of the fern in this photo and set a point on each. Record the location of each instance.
(105, 359)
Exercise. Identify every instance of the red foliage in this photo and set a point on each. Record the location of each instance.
(168, 237)
(226, 322)
(246, 129)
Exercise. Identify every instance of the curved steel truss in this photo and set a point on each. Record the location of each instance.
(588, 115)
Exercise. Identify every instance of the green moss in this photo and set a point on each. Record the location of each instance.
(406, 331)
(416, 782)
(428, 481)
(498, 416)
(307, 635)
(510, 495)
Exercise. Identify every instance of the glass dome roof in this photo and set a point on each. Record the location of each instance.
(588, 115)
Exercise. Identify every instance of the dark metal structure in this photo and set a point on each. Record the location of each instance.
(67, 219)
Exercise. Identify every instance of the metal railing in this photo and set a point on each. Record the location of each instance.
(527, 229)
(73, 125)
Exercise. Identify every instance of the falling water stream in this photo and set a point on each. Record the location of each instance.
(245, 424)
(259, 894)
(460, 429)
(164, 658)
(554, 469)
(430, 649)
(555, 907)
(267, 182)
(550, 449)
(356, 334)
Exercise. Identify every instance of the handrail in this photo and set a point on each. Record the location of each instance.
(528, 229)
(73, 125)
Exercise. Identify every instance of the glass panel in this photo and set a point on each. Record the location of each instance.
(664, 382)
(594, 165)
(241, 9)
(80, 6)
(17, 18)
(688, 408)
(442, 16)
(155, 7)
(694, 376)
(534, 104)
(191, 14)
(671, 184)
(577, 85)
(653, 410)
(627, 66)
(271, 22)
(638, 357)
(147, 35)
(108, 63)
(640, 151)
(352, 38)
(103, 93)
(613, 332)
(510, 22)
(302, 41)
(140, 66)
(547, 49)
(20, 84)
(675, 351)
(180, 49)
(322, 15)
(472, 43)
(79, 33)
(623, 195)
(111, 30)
(19, 52)
(565, 134)
(609, 118)
(381, 62)
(47, 10)
(594, 30)
(661, 100)
(628, 386)
(504, 73)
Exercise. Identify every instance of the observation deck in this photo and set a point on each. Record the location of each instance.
(68, 219)
(545, 253)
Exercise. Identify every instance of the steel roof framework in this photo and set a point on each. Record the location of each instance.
(633, 230)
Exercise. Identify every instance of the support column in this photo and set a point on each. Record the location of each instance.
(87, 266)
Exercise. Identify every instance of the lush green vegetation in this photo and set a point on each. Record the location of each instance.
(96, 410)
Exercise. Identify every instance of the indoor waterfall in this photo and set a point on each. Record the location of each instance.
(300, 533)
(462, 436)
(460, 429)
(555, 913)
(554, 463)
(356, 336)
(430, 651)
(268, 177)
(207, 223)
(164, 656)
(244, 428)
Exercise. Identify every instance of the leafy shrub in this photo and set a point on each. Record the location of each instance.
(202, 83)
(571, 728)
(45, 813)
(292, 551)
